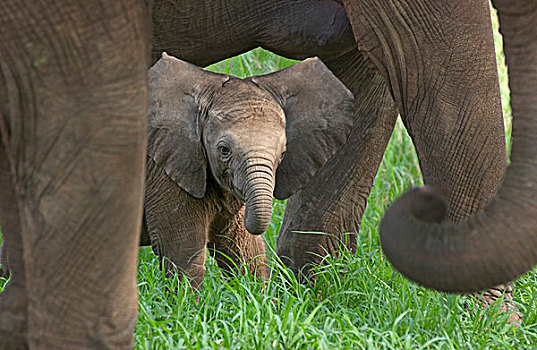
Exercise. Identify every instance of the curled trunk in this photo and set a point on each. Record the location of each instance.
(499, 244)
(258, 194)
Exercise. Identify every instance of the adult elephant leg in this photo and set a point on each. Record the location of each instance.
(13, 300)
(73, 125)
(443, 76)
(232, 245)
(177, 224)
(335, 199)
(438, 59)
(472, 255)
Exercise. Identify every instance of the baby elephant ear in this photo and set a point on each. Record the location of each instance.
(319, 119)
(174, 140)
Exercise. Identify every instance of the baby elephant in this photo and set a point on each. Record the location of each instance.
(217, 142)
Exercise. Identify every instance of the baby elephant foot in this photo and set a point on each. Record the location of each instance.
(508, 306)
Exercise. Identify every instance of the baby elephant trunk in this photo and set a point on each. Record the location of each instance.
(258, 194)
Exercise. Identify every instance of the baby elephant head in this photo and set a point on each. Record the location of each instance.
(241, 129)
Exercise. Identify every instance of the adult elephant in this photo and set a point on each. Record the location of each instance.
(431, 61)
(499, 244)
(73, 137)
(437, 68)
(72, 126)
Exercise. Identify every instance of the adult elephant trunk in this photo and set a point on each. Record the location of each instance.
(501, 243)
(259, 187)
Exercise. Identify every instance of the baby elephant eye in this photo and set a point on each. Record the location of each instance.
(224, 151)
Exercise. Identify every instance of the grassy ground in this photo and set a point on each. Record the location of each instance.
(358, 301)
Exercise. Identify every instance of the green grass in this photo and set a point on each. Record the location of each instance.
(358, 300)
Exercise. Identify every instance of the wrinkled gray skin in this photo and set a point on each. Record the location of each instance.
(222, 140)
(72, 123)
(499, 244)
(73, 103)
(433, 62)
